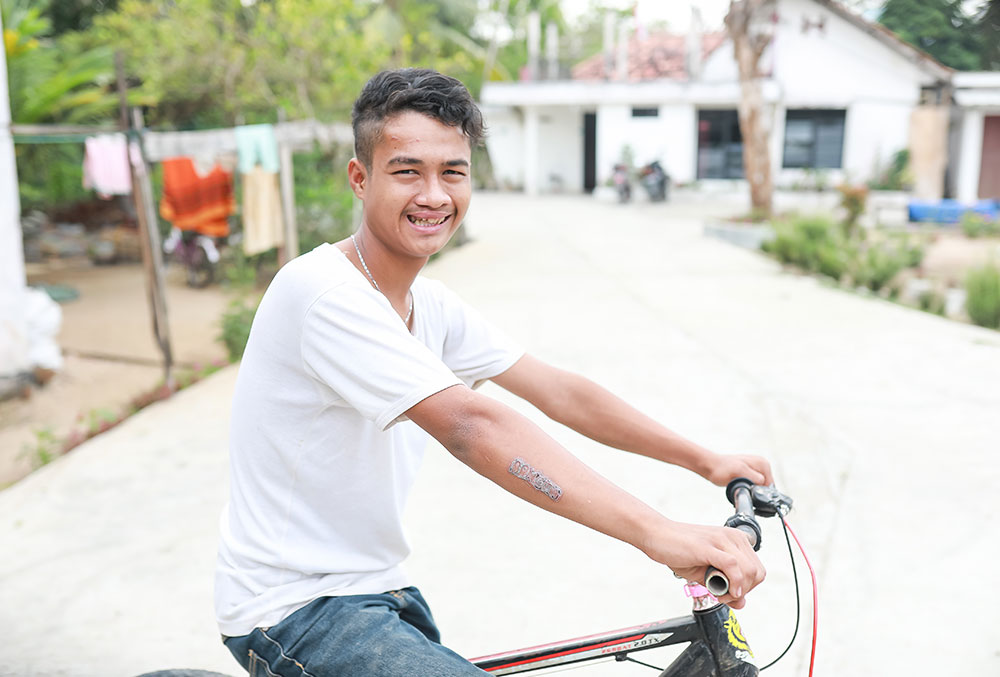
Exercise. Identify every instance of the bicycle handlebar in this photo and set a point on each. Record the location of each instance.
(748, 499)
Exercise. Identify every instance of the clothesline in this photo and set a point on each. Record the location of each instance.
(298, 135)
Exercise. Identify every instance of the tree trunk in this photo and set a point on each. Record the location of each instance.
(755, 123)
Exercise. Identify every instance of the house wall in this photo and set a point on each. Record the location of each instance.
(832, 67)
(817, 60)
(970, 154)
(670, 138)
(505, 144)
(979, 96)
(560, 150)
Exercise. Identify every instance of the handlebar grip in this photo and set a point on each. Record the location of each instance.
(716, 582)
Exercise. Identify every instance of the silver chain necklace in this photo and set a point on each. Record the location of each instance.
(375, 284)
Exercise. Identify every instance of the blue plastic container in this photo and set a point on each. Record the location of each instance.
(951, 211)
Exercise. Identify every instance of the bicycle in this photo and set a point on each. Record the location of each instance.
(717, 648)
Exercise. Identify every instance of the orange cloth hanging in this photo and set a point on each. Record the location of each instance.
(194, 202)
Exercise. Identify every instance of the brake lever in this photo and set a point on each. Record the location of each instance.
(768, 501)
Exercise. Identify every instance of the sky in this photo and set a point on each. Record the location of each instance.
(676, 12)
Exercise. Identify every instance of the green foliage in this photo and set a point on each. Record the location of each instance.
(239, 271)
(819, 245)
(875, 266)
(100, 420)
(939, 27)
(76, 15)
(204, 63)
(235, 325)
(976, 225)
(50, 175)
(896, 176)
(52, 81)
(513, 55)
(982, 302)
(324, 201)
(45, 448)
(932, 301)
(988, 28)
(814, 243)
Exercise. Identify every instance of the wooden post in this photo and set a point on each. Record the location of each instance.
(152, 259)
(287, 178)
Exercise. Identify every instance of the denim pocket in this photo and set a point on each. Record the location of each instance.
(259, 667)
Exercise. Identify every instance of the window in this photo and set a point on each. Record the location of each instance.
(720, 145)
(814, 139)
(645, 112)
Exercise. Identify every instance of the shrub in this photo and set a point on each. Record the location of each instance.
(975, 225)
(880, 261)
(982, 302)
(932, 301)
(878, 265)
(819, 245)
(811, 242)
(896, 176)
(235, 324)
(853, 199)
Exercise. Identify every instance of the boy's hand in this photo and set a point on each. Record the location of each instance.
(689, 549)
(727, 467)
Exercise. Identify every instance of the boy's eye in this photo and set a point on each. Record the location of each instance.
(406, 171)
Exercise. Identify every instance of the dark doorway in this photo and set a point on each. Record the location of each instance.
(989, 169)
(589, 152)
(720, 145)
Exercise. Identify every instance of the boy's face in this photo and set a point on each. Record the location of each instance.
(418, 187)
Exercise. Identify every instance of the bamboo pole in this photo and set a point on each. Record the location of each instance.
(152, 259)
(287, 177)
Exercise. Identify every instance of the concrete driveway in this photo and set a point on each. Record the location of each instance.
(882, 423)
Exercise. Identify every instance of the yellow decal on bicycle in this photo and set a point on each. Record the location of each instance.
(735, 633)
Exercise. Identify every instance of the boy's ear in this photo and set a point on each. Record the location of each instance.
(357, 176)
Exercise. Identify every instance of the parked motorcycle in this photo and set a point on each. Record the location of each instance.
(623, 184)
(196, 252)
(655, 180)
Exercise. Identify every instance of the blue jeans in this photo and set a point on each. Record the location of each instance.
(387, 635)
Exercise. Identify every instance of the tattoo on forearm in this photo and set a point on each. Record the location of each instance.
(520, 468)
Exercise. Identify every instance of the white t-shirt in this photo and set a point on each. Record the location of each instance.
(322, 457)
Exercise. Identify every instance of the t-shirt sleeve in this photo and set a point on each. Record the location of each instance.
(474, 349)
(353, 343)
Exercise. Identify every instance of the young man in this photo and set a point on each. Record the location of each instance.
(352, 361)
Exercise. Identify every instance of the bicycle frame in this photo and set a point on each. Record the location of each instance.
(718, 648)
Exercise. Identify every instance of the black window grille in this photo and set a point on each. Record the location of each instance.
(814, 139)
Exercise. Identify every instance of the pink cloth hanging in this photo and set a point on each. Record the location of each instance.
(106, 165)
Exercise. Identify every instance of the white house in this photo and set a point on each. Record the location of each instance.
(976, 160)
(844, 96)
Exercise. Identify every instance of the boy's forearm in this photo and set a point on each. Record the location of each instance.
(508, 449)
(600, 415)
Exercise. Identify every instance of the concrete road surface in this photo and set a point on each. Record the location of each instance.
(882, 423)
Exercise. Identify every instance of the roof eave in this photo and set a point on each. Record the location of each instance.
(918, 57)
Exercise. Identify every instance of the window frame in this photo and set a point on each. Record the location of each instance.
(832, 118)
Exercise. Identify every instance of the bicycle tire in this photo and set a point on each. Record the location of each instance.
(200, 270)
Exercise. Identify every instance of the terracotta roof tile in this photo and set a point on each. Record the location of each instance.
(658, 56)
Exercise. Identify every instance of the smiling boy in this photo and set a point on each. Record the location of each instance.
(352, 362)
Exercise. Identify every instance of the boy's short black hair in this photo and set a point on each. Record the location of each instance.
(412, 89)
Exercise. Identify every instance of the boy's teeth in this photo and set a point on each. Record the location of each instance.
(427, 222)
